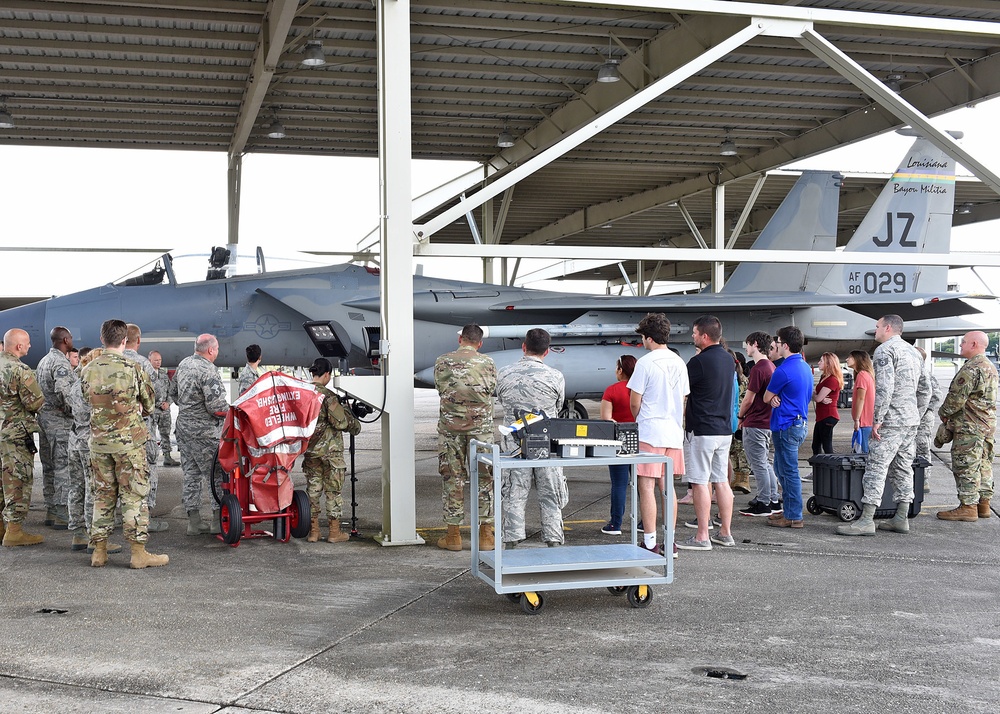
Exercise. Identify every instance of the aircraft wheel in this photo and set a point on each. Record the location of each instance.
(812, 505)
(848, 512)
(640, 595)
(532, 603)
(231, 519)
(573, 409)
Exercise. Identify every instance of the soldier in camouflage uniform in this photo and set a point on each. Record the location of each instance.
(57, 379)
(121, 396)
(970, 412)
(81, 489)
(323, 462)
(902, 391)
(925, 432)
(465, 381)
(739, 465)
(161, 416)
(131, 352)
(530, 385)
(20, 399)
(252, 371)
(201, 401)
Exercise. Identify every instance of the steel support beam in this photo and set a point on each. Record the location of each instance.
(399, 514)
(718, 276)
(877, 90)
(273, 33)
(598, 124)
(699, 255)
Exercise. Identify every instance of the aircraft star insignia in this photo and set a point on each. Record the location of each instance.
(267, 326)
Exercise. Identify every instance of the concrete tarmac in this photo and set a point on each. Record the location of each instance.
(816, 622)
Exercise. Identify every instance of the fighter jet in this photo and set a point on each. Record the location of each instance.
(296, 314)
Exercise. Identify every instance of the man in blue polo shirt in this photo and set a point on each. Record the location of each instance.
(789, 394)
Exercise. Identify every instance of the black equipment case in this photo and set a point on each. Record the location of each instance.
(838, 485)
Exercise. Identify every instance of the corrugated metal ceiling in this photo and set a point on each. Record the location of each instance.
(125, 73)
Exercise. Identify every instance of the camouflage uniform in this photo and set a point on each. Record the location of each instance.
(161, 417)
(198, 393)
(56, 378)
(902, 391)
(737, 456)
(323, 462)
(152, 443)
(465, 381)
(928, 421)
(121, 396)
(531, 385)
(81, 483)
(970, 411)
(20, 399)
(249, 375)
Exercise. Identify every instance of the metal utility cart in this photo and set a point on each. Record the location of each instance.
(525, 574)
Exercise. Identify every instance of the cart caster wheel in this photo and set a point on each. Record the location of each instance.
(532, 603)
(812, 505)
(514, 597)
(618, 589)
(848, 512)
(231, 519)
(298, 515)
(640, 595)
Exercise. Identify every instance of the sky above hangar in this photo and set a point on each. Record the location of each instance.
(71, 198)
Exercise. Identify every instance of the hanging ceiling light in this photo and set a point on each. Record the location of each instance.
(6, 120)
(728, 146)
(965, 209)
(506, 139)
(609, 70)
(313, 56)
(276, 130)
(892, 82)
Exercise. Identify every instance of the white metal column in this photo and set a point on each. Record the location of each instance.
(718, 235)
(399, 512)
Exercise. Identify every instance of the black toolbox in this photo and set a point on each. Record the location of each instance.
(838, 485)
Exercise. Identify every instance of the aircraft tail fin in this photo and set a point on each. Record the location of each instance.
(912, 214)
(805, 220)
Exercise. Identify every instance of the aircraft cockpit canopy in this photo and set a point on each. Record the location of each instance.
(185, 267)
(150, 277)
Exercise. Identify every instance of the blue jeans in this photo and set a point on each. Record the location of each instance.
(786, 466)
(619, 489)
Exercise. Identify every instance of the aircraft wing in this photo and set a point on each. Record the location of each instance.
(917, 307)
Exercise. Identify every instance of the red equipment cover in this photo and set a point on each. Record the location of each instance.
(272, 421)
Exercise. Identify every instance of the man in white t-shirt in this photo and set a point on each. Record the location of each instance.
(658, 387)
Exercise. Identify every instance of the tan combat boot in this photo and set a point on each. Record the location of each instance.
(966, 513)
(336, 535)
(740, 482)
(313, 530)
(142, 559)
(99, 558)
(452, 539)
(486, 536)
(984, 508)
(15, 535)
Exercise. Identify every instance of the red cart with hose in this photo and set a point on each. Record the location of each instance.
(265, 430)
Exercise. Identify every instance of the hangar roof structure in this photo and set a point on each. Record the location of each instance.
(214, 75)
